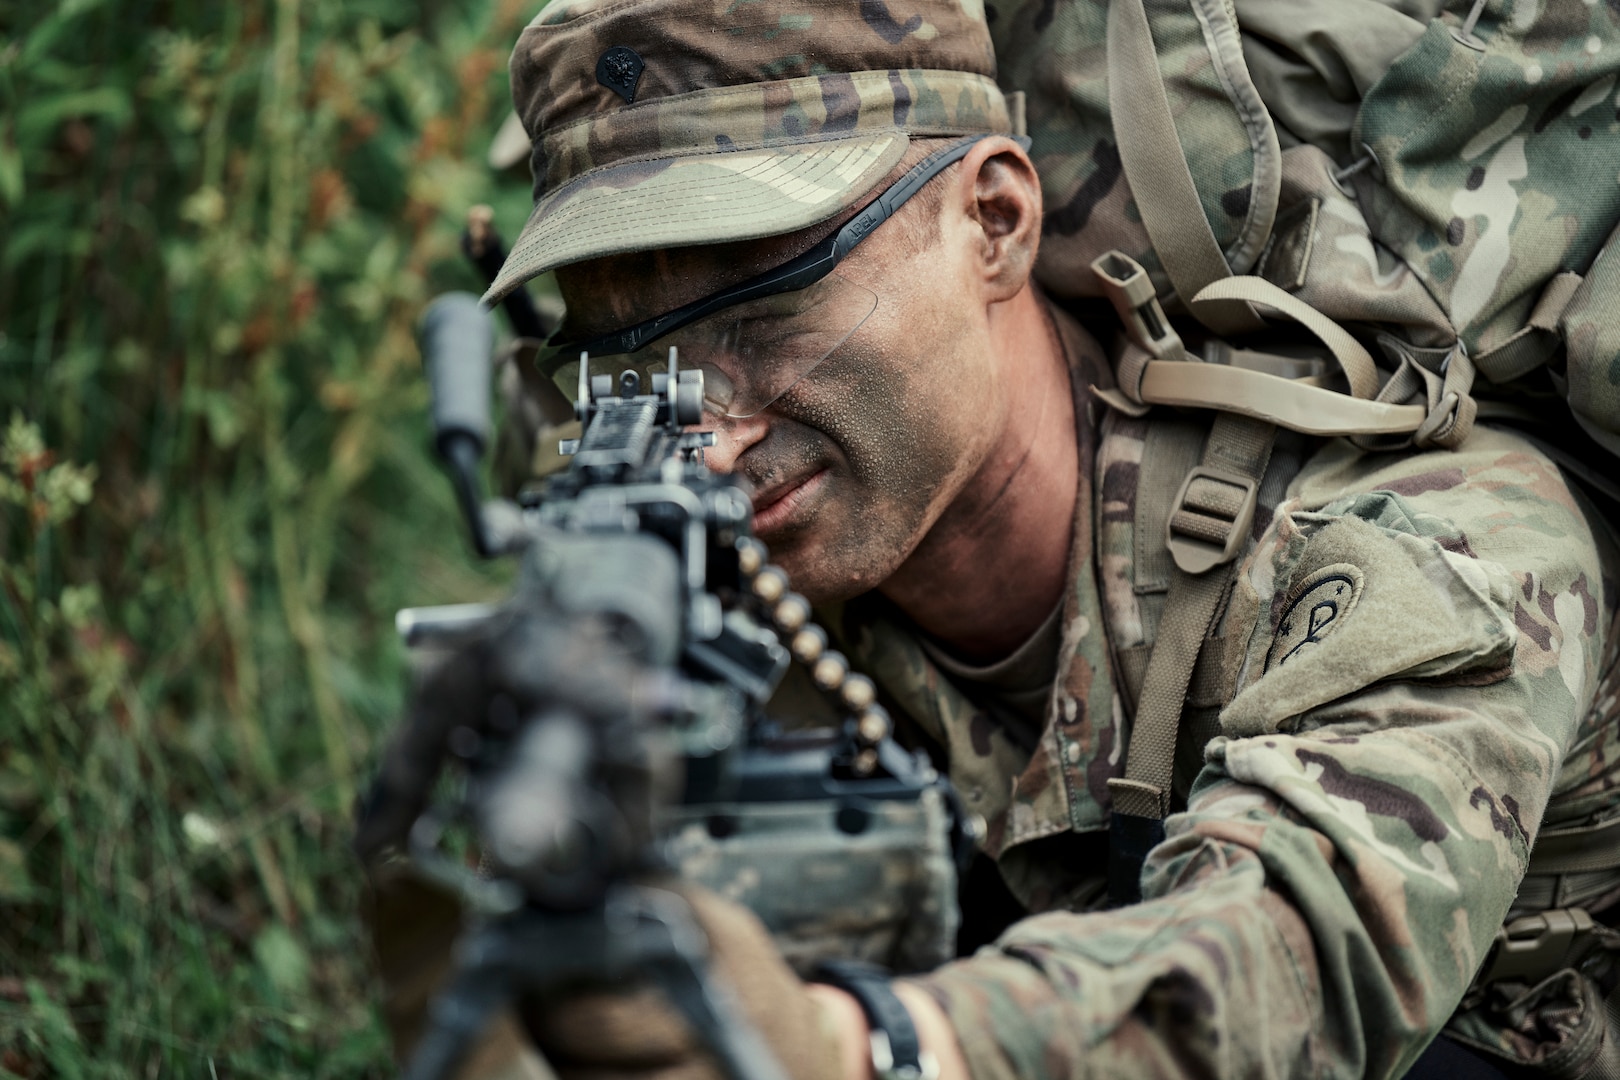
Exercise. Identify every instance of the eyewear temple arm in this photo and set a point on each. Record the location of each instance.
(797, 273)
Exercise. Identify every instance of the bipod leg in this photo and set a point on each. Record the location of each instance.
(677, 963)
(461, 1011)
(640, 931)
(527, 951)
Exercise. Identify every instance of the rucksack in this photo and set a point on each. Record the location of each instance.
(1440, 182)
(1428, 194)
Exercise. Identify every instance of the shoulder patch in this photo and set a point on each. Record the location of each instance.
(1320, 605)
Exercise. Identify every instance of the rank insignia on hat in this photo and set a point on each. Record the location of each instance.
(619, 69)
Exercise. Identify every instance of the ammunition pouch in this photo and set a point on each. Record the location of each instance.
(871, 880)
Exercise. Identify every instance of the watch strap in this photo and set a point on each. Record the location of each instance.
(896, 1049)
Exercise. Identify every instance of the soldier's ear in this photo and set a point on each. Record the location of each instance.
(1001, 195)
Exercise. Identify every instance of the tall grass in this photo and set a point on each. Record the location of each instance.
(218, 222)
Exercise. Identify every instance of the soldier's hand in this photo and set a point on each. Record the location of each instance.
(635, 1033)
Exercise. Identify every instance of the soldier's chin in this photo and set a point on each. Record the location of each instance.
(825, 571)
(841, 542)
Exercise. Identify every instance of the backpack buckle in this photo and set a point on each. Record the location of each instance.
(1210, 518)
(1535, 946)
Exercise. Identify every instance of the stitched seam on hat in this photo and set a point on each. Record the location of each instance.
(741, 180)
(720, 93)
(582, 20)
(612, 9)
(697, 152)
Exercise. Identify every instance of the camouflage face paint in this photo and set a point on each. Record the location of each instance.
(893, 418)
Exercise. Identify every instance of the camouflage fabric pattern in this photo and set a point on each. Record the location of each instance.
(1054, 51)
(1487, 159)
(1359, 829)
(1592, 334)
(786, 112)
(1496, 157)
(1323, 251)
(778, 74)
(628, 207)
(885, 895)
(1134, 567)
(653, 128)
(1547, 1023)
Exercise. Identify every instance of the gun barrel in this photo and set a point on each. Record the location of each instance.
(457, 340)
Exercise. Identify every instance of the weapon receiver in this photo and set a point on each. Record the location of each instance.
(606, 725)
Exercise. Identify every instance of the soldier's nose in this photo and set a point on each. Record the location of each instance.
(732, 438)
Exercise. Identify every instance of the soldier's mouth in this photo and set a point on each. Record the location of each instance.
(778, 506)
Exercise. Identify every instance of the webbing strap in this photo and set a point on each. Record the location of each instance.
(1356, 361)
(1209, 686)
(1145, 789)
(1538, 339)
(1235, 455)
(1289, 403)
(1440, 413)
(1156, 170)
(1580, 850)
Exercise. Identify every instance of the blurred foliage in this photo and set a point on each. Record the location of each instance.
(218, 223)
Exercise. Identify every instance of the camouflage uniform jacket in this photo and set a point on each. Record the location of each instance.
(1366, 804)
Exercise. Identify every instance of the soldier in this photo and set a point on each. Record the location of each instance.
(1414, 660)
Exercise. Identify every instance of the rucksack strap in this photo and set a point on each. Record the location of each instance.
(1209, 522)
(1538, 339)
(1156, 170)
(1426, 401)
(1354, 360)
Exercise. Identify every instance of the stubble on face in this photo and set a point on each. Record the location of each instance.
(894, 418)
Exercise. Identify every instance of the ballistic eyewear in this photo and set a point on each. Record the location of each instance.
(755, 340)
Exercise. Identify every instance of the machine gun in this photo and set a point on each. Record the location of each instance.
(607, 724)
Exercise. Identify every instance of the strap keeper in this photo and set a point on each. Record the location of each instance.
(1210, 518)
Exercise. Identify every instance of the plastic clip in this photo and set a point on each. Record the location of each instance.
(1535, 946)
(1210, 518)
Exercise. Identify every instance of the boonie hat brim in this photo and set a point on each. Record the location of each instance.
(660, 124)
(705, 199)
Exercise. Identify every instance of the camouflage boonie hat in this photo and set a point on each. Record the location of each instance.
(665, 123)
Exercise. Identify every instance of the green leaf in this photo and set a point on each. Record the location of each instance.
(55, 1031)
(80, 604)
(19, 787)
(79, 974)
(11, 184)
(38, 121)
(71, 8)
(283, 959)
(16, 887)
(224, 419)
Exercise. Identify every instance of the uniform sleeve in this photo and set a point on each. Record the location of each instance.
(1425, 653)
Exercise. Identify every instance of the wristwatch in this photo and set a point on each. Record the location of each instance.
(897, 1053)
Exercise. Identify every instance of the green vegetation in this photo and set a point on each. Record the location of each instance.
(218, 222)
